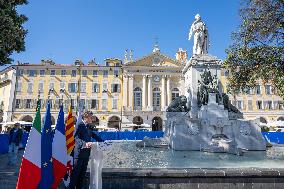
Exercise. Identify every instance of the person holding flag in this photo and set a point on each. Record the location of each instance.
(83, 142)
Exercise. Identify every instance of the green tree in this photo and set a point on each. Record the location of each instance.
(257, 51)
(12, 33)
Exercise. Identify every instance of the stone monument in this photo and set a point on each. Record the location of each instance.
(209, 122)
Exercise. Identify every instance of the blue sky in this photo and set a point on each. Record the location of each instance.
(66, 30)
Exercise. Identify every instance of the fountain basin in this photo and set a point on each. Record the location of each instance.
(126, 166)
(166, 178)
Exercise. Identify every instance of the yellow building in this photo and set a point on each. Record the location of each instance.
(94, 87)
(7, 90)
(259, 102)
(119, 93)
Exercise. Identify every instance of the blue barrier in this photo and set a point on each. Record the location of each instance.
(4, 143)
(276, 137)
(129, 135)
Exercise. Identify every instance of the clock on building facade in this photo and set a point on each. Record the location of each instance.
(156, 78)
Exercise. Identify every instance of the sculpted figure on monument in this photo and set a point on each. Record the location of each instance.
(205, 87)
(227, 104)
(178, 105)
(201, 36)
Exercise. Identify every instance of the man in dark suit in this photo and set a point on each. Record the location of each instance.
(15, 137)
(83, 143)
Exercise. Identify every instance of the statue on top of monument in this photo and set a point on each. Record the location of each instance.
(201, 36)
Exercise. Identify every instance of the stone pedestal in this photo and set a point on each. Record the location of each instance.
(192, 71)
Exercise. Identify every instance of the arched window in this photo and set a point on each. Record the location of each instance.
(157, 124)
(137, 120)
(280, 119)
(156, 99)
(137, 98)
(27, 118)
(113, 122)
(95, 121)
(175, 93)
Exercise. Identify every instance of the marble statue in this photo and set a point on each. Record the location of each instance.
(201, 36)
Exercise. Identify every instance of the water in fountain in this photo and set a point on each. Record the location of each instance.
(133, 157)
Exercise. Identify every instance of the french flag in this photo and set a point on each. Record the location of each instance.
(59, 150)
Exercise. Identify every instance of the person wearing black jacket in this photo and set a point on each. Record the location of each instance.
(83, 143)
(15, 137)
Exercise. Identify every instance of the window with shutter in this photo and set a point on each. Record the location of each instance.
(32, 73)
(105, 73)
(94, 104)
(73, 73)
(28, 103)
(82, 103)
(83, 87)
(84, 73)
(57, 103)
(95, 73)
(104, 104)
(97, 105)
(87, 104)
(30, 87)
(52, 73)
(42, 72)
(112, 88)
(115, 73)
(24, 103)
(62, 85)
(114, 103)
(21, 104)
(69, 87)
(259, 104)
(72, 87)
(51, 86)
(20, 72)
(98, 88)
(250, 105)
(17, 105)
(35, 104)
(19, 87)
(118, 88)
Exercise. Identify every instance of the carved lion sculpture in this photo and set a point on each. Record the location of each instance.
(227, 105)
(178, 105)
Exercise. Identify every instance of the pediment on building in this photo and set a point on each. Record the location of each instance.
(155, 59)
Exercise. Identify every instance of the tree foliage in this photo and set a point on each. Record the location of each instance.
(258, 46)
(12, 33)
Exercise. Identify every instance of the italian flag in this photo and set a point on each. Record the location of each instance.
(30, 171)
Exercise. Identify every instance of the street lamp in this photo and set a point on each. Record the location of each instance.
(78, 65)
